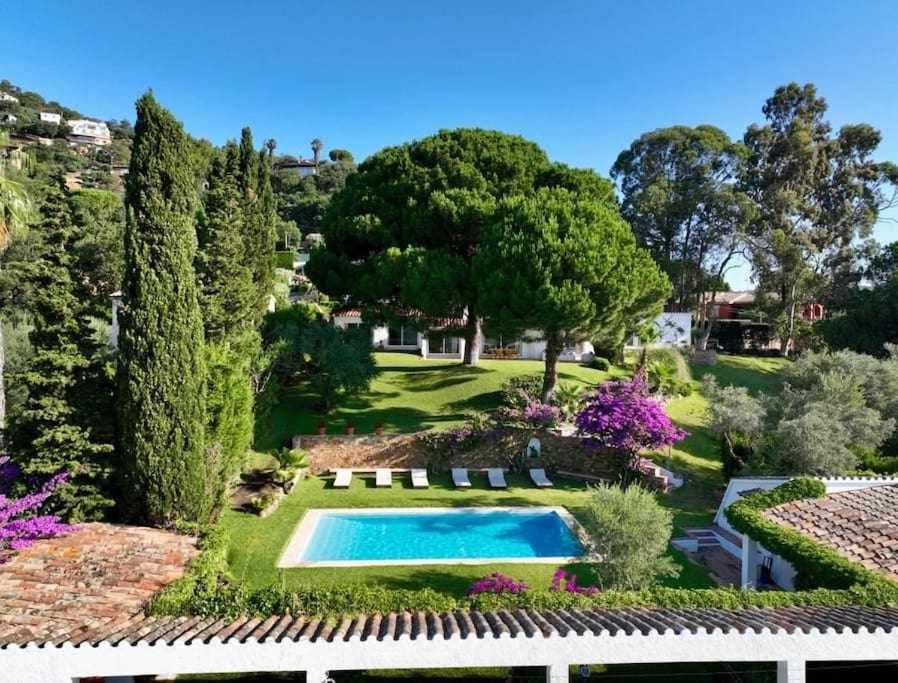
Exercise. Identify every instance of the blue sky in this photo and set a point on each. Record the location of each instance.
(583, 79)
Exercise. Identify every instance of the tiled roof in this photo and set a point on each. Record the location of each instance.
(861, 524)
(95, 576)
(515, 623)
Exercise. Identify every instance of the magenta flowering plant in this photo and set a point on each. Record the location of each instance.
(541, 414)
(19, 525)
(497, 583)
(562, 581)
(622, 415)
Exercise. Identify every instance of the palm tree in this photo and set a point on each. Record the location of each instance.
(271, 144)
(317, 146)
(14, 210)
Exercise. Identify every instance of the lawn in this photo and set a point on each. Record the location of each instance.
(412, 394)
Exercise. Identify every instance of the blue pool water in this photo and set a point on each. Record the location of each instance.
(457, 534)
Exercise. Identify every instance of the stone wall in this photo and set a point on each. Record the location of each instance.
(502, 448)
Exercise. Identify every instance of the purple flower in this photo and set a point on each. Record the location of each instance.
(570, 584)
(621, 415)
(19, 526)
(496, 583)
(541, 414)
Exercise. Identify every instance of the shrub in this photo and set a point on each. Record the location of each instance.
(497, 583)
(541, 415)
(519, 392)
(561, 580)
(629, 532)
(284, 259)
(599, 363)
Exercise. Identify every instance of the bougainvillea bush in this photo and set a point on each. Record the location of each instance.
(497, 583)
(541, 415)
(562, 581)
(20, 526)
(622, 415)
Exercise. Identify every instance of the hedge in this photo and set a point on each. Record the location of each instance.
(816, 565)
(284, 259)
(206, 590)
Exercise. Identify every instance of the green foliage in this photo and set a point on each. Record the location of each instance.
(680, 195)
(229, 413)
(519, 392)
(569, 398)
(817, 566)
(630, 532)
(863, 320)
(813, 194)
(228, 295)
(567, 266)
(162, 374)
(284, 259)
(339, 362)
(600, 363)
(63, 377)
(99, 259)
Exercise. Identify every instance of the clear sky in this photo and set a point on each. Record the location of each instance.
(583, 79)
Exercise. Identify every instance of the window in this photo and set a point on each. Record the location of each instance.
(439, 343)
(402, 335)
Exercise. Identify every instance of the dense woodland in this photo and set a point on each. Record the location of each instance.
(469, 225)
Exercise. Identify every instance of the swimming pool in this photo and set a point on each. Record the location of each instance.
(384, 536)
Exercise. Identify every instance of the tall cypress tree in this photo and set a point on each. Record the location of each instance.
(260, 216)
(224, 268)
(161, 371)
(62, 375)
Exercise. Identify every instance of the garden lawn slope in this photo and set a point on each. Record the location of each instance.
(410, 394)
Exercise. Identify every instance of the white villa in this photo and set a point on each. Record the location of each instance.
(439, 345)
(674, 329)
(855, 498)
(6, 97)
(85, 131)
(51, 117)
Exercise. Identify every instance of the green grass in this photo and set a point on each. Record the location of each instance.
(256, 544)
(410, 394)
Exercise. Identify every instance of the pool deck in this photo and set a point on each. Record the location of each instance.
(302, 535)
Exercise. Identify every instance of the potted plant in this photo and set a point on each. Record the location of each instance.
(321, 429)
(378, 429)
(350, 428)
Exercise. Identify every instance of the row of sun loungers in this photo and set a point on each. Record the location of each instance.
(383, 478)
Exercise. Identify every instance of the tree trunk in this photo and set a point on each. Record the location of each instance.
(786, 344)
(473, 340)
(550, 378)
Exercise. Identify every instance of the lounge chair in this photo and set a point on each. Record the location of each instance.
(383, 477)
(540, 479)
(419, 479)
(497, 478)
(342, 479)
(460, 478)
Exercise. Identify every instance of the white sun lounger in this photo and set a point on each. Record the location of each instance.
(342, 479)
(383, 477)
(497, 478)
(419, 479)
(460, 478)
(540, 479)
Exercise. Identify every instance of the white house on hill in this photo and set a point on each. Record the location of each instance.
(85, 131)
(439, 345)
(6, 97)
(51, 117)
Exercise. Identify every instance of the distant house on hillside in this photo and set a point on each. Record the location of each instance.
(299, 166)
(8, 119)
(6, 97)
(442, 341)
(87, 132)
(738, 325)
(51, 117)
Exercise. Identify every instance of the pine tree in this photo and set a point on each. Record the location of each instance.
(161, 371)
(62, 375)
(227, 291)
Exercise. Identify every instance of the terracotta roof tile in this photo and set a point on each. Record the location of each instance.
(861, 525)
